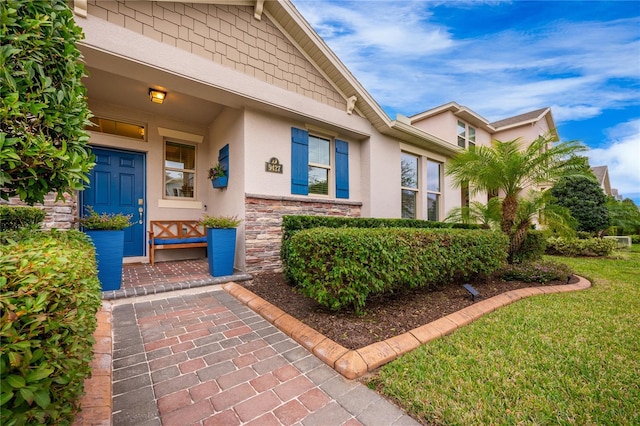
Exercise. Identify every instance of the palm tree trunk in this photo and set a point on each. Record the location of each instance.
(517, 239)
(509, 208)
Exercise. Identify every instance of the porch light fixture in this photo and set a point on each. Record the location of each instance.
(157, 96)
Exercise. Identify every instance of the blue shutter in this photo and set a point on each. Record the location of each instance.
(223, 158)
(299, 161)
(342, 169)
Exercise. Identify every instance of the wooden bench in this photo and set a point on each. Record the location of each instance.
(175, 234)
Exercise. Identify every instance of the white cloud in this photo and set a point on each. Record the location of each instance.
(410, 62)
(622, 156)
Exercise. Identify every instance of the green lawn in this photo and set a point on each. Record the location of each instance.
(571, 358)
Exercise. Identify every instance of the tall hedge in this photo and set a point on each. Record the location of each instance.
(49, 296)
(43, 109)
(341, 267)
(293, 224)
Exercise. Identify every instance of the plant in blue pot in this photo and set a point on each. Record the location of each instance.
(218, 176)
(221, 243)
(106, 231)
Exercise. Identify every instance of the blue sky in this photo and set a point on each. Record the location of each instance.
(500, 59)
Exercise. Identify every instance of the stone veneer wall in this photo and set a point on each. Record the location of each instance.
(263, 225)
(60, 214)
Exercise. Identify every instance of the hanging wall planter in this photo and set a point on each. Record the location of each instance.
(220, 182)
(219, 174)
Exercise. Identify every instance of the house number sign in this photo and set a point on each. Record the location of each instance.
(273, 166)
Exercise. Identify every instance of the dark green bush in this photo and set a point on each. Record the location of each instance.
(635, 239)
(341, 267)
(532, 249)
(574, 247)
(536, 272)
(49, 296)
(43, 103)
(293, 224)
(13, 218)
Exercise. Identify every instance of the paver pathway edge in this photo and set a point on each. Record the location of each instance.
(353, 364)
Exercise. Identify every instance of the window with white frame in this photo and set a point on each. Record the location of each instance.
(466, 135)
(434, 189)
(409, 165)
(319, 165)
(179, 170)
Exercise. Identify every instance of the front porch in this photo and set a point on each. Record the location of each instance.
(140, 279)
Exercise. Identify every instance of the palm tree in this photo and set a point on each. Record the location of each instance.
(507, 168)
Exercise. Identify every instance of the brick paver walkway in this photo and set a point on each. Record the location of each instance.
(206, 359)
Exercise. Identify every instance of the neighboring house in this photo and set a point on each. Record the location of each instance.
(250, 84)
(602, 176)
(460, 125)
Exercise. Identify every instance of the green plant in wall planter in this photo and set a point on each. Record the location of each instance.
(218, 176)
(221, 243)
(106, 231)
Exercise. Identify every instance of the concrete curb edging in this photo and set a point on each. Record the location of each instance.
(356, 363)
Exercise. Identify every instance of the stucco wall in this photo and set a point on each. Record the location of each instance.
(228, 128)
(269, 136)
(527, 133)
(228, 35)
(441, 125)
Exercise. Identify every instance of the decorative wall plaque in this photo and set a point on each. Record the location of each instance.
(273, 166)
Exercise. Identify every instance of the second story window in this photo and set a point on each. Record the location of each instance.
(466, 135)
(179, 170)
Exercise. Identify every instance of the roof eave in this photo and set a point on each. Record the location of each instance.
(408, 133)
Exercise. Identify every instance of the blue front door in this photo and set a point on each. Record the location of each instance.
(117, 186)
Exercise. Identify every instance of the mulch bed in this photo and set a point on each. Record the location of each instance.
(386, 316)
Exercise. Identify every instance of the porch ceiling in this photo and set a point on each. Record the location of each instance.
(133, 94)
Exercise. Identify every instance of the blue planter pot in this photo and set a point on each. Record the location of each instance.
(221, 251)
(220, 182)
(109, 252)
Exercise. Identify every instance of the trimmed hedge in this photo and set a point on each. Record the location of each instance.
(49, 296)
(13, 218)
(574, 247)
(293, 224)
(341, 267)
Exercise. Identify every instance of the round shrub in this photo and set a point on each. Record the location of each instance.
(536, 272)
(13, 218)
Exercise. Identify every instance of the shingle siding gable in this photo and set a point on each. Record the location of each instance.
(228, 35)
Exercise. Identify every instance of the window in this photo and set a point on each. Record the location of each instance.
(409, 184)
(118, 128)
(319, 165)
(466, 135)
(434, 185)
(179, 170)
